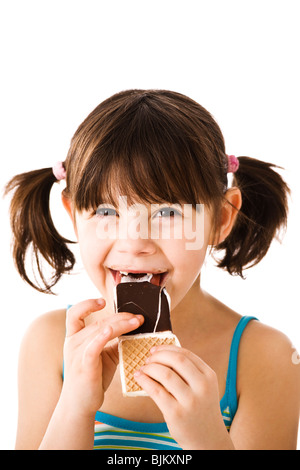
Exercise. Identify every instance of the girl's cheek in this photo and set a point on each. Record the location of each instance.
(93, 253)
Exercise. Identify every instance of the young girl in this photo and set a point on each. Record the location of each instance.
(232, 384)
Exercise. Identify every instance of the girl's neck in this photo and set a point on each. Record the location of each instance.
(191, 309)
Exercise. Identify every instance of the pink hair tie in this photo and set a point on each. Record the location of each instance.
(233, 164)
(59, 171)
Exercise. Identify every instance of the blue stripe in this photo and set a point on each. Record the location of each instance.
(100, 434)
(130, 425)
(134, 443)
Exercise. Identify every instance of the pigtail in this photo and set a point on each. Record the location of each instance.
(32, 227)
(262, 215)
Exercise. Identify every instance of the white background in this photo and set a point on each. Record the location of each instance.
(60, 58)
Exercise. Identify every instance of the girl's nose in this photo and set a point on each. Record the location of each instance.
(138, 246)
(133, 233)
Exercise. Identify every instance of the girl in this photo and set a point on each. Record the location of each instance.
(232, 384)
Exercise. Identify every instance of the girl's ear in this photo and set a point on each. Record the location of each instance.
(229, 212)
(67, 203)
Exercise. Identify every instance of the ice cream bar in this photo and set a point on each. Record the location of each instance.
(152, 301)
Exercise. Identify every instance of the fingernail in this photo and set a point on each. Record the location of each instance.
(101, 301)
(152, 350)
(137, 373)
(134, 321)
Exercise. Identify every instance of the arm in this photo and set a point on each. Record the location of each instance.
(39, 377)
(56, 415)
(186, 391)
(48, 418)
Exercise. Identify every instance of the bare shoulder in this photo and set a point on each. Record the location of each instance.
(268, 387)
(45, 336)
(55, 320)
(262, 344)
(48, 325)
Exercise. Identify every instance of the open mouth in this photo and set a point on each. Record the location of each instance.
(158, 279)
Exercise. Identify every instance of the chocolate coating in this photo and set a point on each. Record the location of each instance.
(146, 299)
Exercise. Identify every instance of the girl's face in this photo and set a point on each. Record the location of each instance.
(169, 241)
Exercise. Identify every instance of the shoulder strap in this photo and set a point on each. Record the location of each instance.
(231, 393)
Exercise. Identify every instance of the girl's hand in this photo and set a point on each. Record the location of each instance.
(186, 390)
(91, 355)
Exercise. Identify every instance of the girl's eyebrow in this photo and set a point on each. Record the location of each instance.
(115, 204)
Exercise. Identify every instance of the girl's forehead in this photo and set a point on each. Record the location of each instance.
(123, 202)
(125, 191)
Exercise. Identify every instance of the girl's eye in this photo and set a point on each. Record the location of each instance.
(168, 212)
(105, 212)
(164, 212)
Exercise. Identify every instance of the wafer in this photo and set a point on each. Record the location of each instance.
(133, 352)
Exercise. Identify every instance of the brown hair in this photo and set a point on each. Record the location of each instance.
(153, 146)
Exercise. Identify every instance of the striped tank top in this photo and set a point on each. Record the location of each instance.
(112, 432)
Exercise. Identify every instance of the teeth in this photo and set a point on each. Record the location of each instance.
(124, 273)
(143, 278)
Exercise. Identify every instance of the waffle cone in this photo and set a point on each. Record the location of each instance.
(133, 352)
